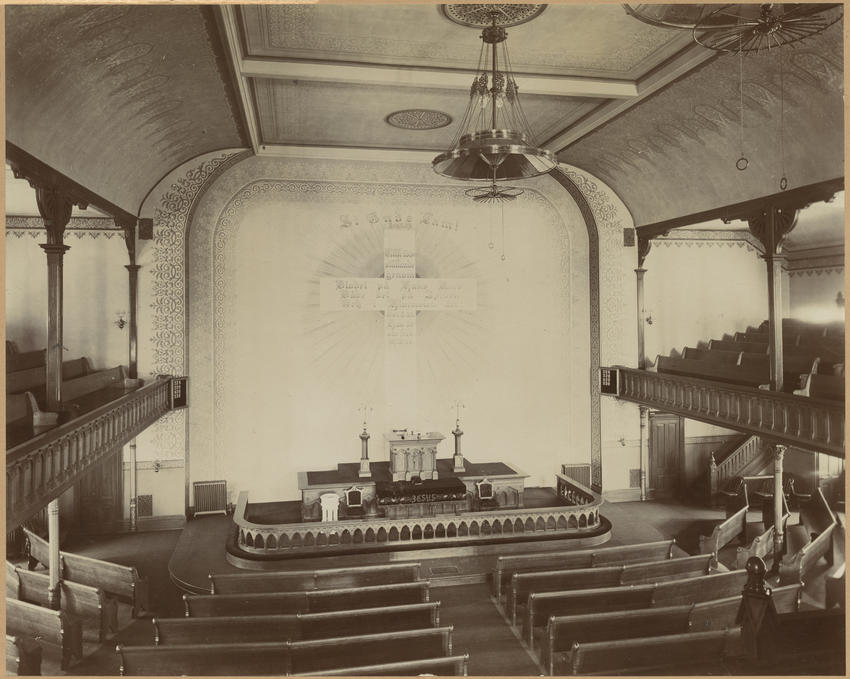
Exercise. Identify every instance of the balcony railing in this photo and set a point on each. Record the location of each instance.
(42, 468)
(808, 423)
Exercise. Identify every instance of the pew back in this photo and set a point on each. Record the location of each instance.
(708, 648)
(97, 612)
(522, 584)
(542, 605)
(294, 627)
(24, 380)
(25, 360)
(564, 631)
(329, 578)
(120, 581)
(717, 356)
(261, 658)
(735, 525)
(506, 566)
(313, 601)
(56, 629)
(368, 649)
(23, 656)
(284, 658)
(450, 666)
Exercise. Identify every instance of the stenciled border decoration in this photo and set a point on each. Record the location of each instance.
(169, 326)
(80, 227)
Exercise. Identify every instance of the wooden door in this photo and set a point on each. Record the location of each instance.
(100, 496)
(666, 448)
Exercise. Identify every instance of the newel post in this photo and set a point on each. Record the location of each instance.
(757, 614)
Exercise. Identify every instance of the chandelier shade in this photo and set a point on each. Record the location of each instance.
(494, 141)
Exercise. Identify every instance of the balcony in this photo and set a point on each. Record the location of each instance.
(807, 423)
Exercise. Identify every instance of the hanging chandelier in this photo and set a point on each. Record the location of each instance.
(494, 142)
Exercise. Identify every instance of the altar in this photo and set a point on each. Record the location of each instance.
(414, 482)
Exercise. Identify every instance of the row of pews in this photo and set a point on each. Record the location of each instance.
(368, 620)
(813, 360)
(666, 612)
(83, 389)
(89, 593)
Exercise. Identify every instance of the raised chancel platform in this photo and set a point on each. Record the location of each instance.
(265, 537)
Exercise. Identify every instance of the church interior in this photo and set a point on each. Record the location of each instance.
(419, 339)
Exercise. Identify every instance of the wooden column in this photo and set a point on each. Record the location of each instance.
(55, 210)
(133, 271)
(644, 449)
(778, 532)
(644, 245)
(132, 463)
(53, 591)
(770, 226)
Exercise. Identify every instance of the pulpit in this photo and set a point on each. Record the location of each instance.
(413, 454)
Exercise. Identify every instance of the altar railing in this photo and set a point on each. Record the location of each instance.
(566, 519)
(42, 468)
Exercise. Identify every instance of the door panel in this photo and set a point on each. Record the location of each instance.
(665, 453)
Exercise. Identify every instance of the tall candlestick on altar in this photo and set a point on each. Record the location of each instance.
(458, 458)
(365, 469)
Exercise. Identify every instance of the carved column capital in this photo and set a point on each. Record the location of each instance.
(644, 244)
(55, 209)
(771, 226)
(779, 452)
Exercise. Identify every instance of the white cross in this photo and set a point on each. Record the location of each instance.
(400, 296)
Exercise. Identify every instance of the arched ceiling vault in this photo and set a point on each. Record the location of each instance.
(116, 96)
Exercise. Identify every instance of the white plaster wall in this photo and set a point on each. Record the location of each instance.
(812, 295)
(95, 289)
(285, 381)
(699, 290)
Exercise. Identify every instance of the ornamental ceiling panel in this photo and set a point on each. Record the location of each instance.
(578, 40)
(116, 96)
(345, 114)
(675, 153)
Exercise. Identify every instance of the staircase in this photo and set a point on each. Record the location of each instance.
(742, 455)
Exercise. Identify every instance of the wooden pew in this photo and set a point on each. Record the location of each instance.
(97, 612)
(57, 630)
(368, 649)
(542, 605)
(123, 582)
(730, 345)
(564, 631)
(704, 649)
(827, 387)
(23, 656)
(33, 378)
(313, 601)
(794, 567)
(328, 578)
(25, 360)
(715, 355)
(706, 370)
(294, 626)
(506, 566)
(735, 525)
(523, 584)
(261, 658)
(450, 666)
(279, 658)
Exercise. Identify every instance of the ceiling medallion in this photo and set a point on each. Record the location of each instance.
(418, 119)
(480, 16)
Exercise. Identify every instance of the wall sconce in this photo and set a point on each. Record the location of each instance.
(622, 440)
(157, 466)
(839, 299)
(649, 320)
(121, 322)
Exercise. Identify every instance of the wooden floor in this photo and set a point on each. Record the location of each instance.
(479, 627)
